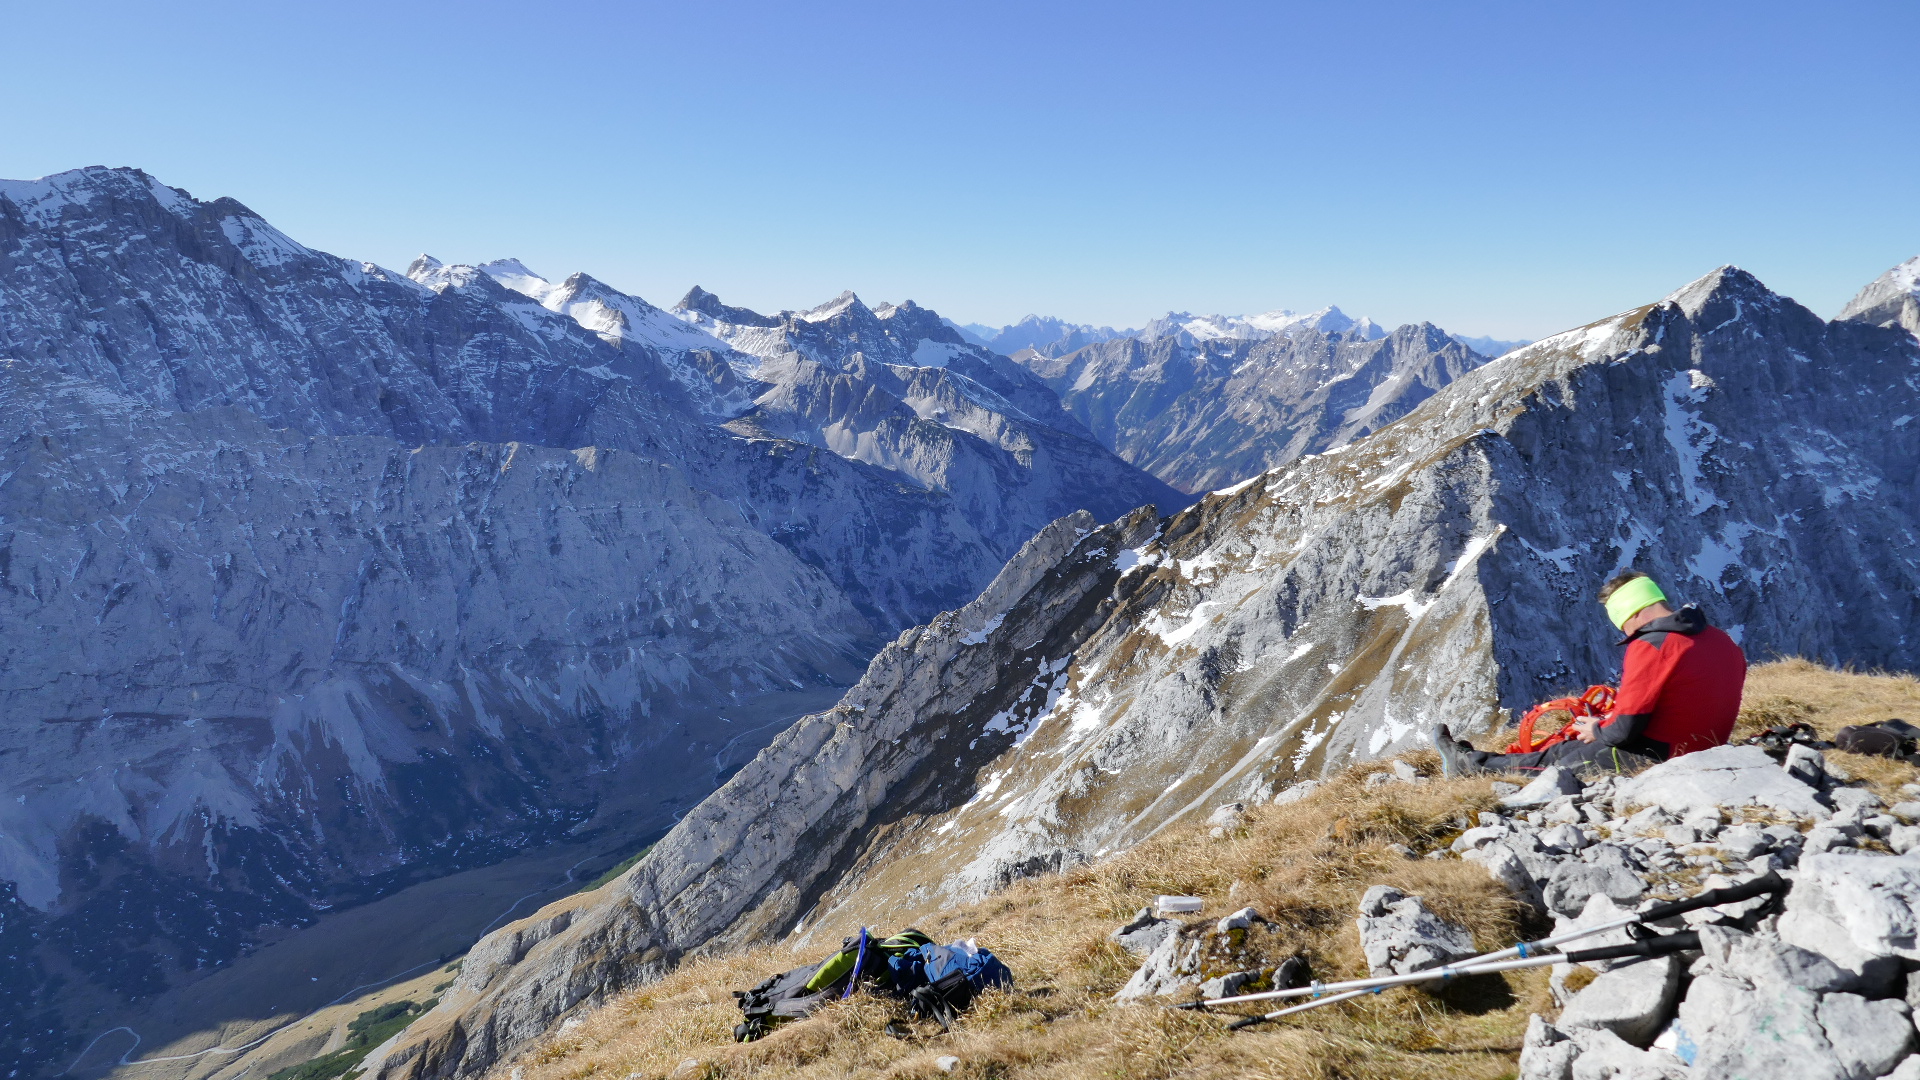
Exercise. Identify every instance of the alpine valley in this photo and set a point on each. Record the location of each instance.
(327, 583)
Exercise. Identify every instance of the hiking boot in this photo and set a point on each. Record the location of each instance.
(1456, 757)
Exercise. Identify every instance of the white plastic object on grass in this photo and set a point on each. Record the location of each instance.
(1178, 905)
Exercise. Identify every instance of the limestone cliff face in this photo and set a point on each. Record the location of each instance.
(1756, 460)
(322, 577)
(1204, 413)
(279, 670)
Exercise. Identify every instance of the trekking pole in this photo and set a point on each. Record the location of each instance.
(1659, 946)
(1771, 882)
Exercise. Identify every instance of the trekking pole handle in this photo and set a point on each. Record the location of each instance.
(1771, 882)
(1659, 946)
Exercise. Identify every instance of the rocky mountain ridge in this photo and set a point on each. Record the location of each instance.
(342, 576)
(1117, 678)
(1205, 413)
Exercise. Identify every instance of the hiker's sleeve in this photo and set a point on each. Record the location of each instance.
(1642, 677)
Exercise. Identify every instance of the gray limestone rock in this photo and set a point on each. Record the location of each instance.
(1603, 870)
(1768, 962)
(1606, 1056)
(1504, 865)
(1807, 765)
(1908, 1069)
(1171, 967)
(1547, 1053)
(1145, 932)
(1399, 935)
(1239, 920)
(1868, 1037)
(1634, 1001)
(1295, 792)
(1227, 985)
(1743, 841)
(1552, 783)
(1724, 776)
(1862, 912)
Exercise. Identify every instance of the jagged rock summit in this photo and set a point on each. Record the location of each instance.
(1118, 678)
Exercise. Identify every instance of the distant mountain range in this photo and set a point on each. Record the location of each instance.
(1053, 337)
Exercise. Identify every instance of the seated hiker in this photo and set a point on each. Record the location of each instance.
(1679, 692)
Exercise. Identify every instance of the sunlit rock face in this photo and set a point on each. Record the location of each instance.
(1119, 677)
(322, 577)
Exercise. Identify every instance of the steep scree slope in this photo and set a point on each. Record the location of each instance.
(1116, 678)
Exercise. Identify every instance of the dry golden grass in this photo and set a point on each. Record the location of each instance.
(1304, 866)
(1799, 691)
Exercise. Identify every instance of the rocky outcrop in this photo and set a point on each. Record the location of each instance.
(1808, 986)
(1202, 413)
(1440, 570)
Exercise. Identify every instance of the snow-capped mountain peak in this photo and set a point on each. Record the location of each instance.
(839, 305)
(1892, 299)
(1260, 327)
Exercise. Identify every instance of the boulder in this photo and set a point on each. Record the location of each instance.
(1857, 803)
(1568, 838)
(1399, 935)
(1144, 933)
(1724, 776)
(1480, 836)
(1858, 911)
(1743, 841)
(1807, 765)
(1297, 792)
(1227, 985)
(1868, 1037)
(1604, 871)
(1404, 771)
(1600, 909)
(1606, 1056)
(1906, 1070)
(1547, 1053)
(1239, 920)
(1169, 968)
(1228, 815)
(1634, 1001)
(1757, 1035)
(1505, 866)
(1551, 784)
(1769, 963)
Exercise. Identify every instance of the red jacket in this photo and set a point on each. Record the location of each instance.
(1679, 689)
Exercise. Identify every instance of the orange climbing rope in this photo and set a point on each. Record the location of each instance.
(1596, 702)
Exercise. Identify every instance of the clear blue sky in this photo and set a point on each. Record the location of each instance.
(1508, 169)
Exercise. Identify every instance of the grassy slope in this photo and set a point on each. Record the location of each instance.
(1303, 865)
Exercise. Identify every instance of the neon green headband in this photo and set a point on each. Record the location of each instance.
(1628, 599)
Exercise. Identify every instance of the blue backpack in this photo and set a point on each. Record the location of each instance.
(940, 981)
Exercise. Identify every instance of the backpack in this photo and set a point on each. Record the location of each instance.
(940, 981)
(1888, 738)
(796, 994)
